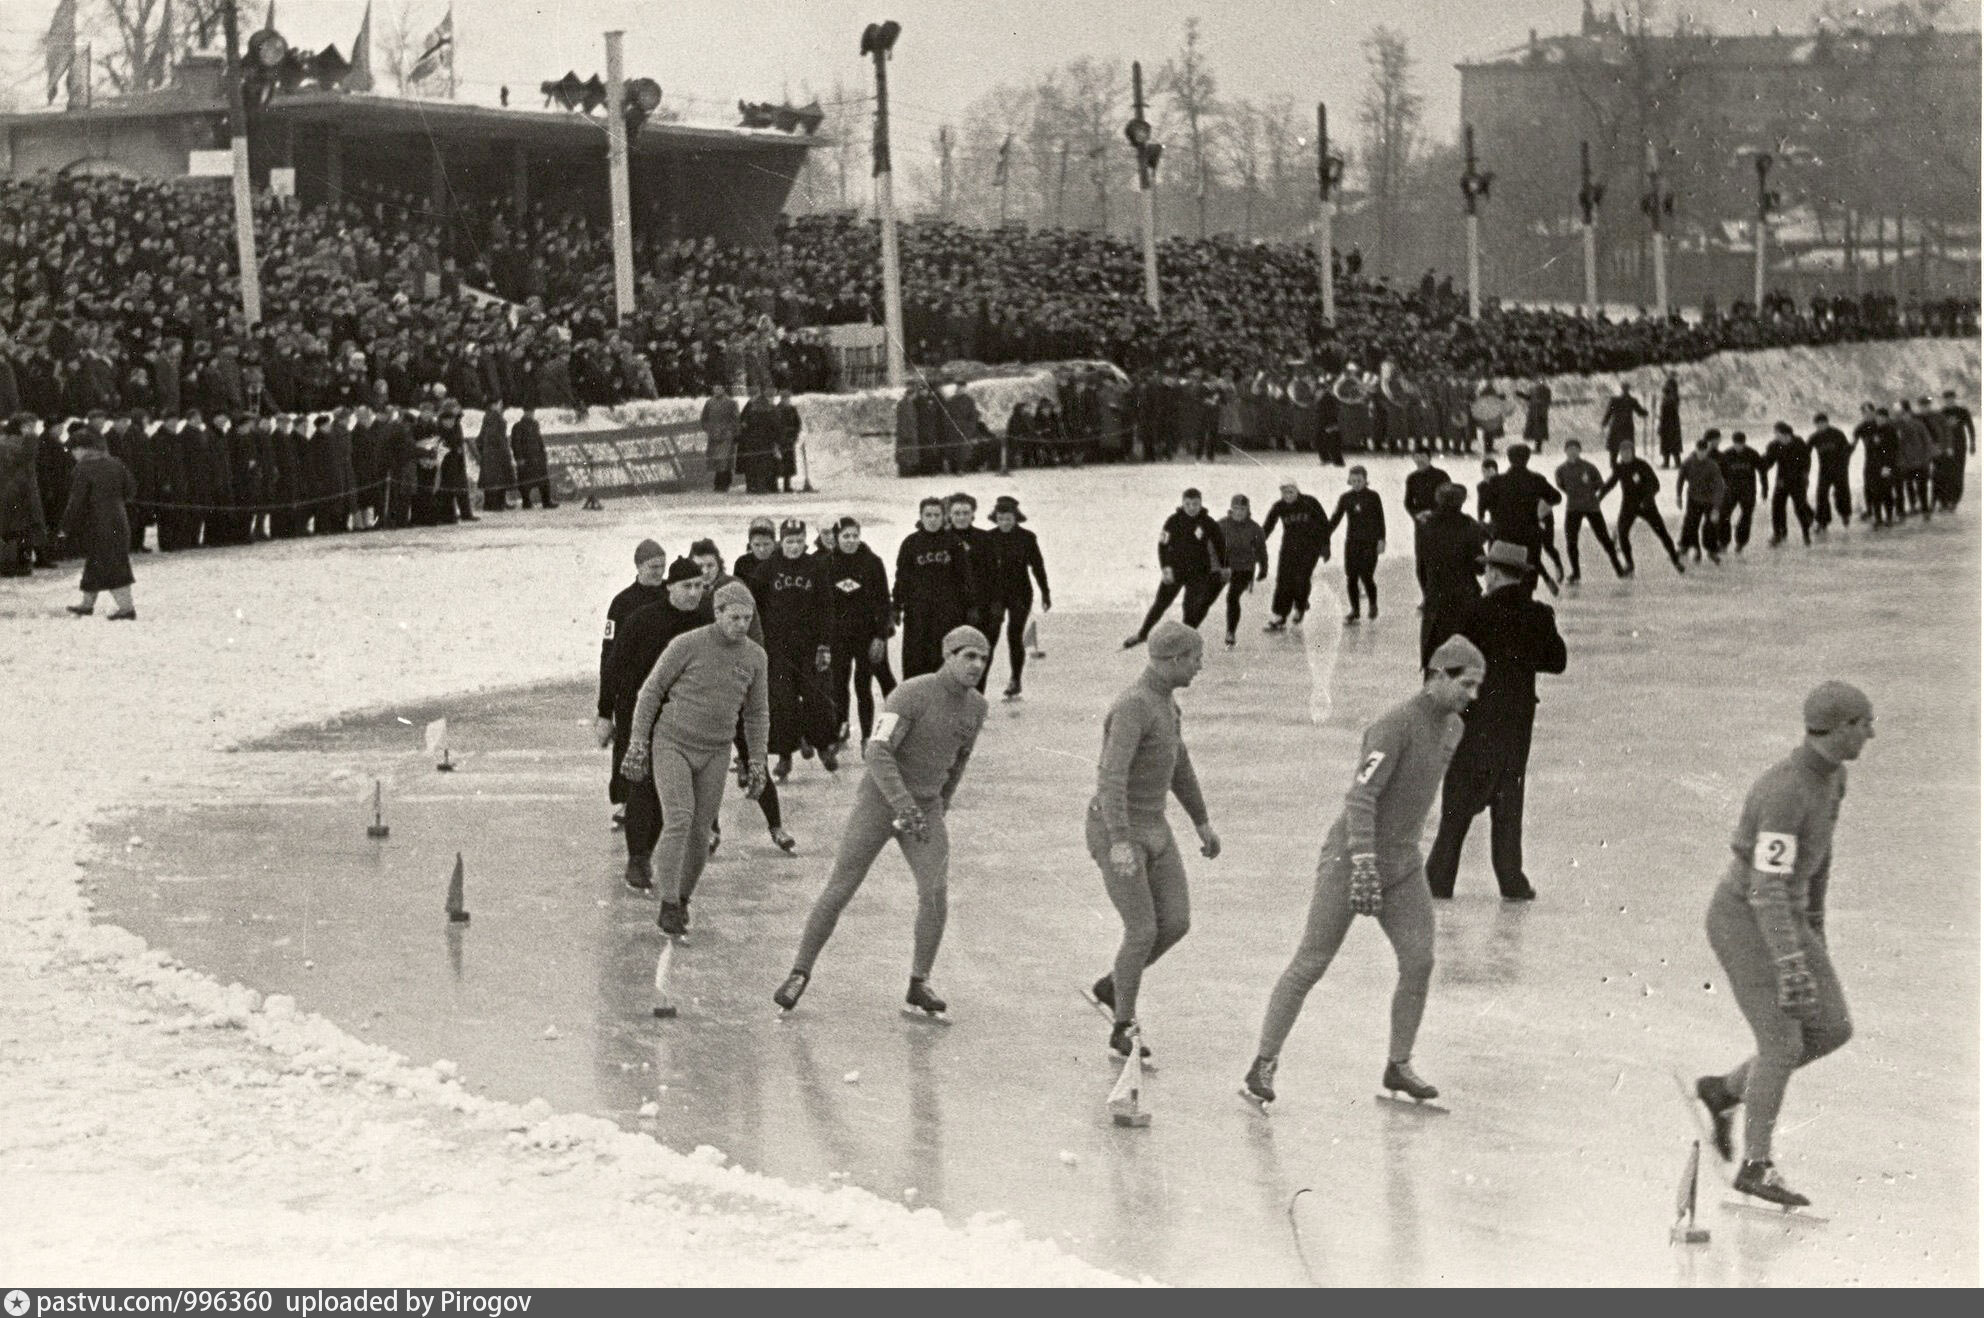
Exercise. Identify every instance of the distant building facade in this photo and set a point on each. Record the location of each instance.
(1874, 140)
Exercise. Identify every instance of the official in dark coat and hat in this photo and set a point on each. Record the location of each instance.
(96, 523)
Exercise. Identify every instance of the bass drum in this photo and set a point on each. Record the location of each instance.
(1489, 410)
(1399, 388)
(1350, 390)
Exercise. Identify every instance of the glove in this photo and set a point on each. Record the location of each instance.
(912, 822)
(634, 765)
(1123, 860)
(602, 731)
(754, 781)
(1367, 891)
(1208, 842)
(878, 651)
(823, 659)
(1797, 991)
(1170, 577)
(1046, 604)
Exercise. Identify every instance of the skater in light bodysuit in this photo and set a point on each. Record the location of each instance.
(1767, 924)
(1371, 865)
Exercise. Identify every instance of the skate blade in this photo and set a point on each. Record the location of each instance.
(1409, 1104)
(1254, 1101)
(664, 1013)
(926, 1017)
(1764, 1208)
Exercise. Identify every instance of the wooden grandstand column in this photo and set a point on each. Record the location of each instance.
(520, 178)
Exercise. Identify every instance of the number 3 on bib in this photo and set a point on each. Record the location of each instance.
(1775, 853)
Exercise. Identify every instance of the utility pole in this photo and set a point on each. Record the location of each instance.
(244, 203)
(944, 173)
(878, 40)
(1148, 154)
(1657, 203)
(1589, 196)
(1061, 190)
(1004, 178)
(616, 179)
(1474, 184)
(1329, 174)
(1766, 201)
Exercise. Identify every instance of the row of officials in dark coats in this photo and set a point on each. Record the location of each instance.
(233, 479)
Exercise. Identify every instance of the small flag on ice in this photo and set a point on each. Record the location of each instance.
(437, 736)
(1126, 1099)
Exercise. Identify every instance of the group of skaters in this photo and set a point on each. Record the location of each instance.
(221, 479)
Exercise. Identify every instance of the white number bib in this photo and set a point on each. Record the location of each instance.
(1776, 853)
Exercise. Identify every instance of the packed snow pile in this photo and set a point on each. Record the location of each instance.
(161, 1128)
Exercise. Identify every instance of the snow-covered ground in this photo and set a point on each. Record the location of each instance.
(157, 1127)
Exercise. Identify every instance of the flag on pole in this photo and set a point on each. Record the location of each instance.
(360, 77)
(60, 47)
(437, 53)
(269, 23)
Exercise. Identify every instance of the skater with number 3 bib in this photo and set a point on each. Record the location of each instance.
(1767, 926)
(1372, 865)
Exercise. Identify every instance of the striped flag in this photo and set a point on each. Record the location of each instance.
(437, 53)
(59, 47)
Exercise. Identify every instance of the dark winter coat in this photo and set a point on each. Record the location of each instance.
(1008, 563)
(1190, 545)
(21, 514)
(933, 570)
(1518, 637)
(95, 520)
(527, 450)
(798, 612)
(859, 587)
(1304, 528)
(492, 444)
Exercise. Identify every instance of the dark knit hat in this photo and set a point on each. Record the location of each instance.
(1006, 503)
(682, 570)
(646, 550)
(791, 526)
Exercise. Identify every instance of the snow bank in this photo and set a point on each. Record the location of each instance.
(160, 1128)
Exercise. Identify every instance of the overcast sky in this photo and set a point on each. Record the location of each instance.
(950, 51)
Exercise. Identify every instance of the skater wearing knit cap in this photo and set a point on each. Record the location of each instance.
(1371, 865)
(923, 741)
(648, 587)
(1767, 924)
(683, 724)
(1143, 760)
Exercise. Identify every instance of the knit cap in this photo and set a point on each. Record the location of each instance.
(1457, 652)
(960, 638)
(735, 592)
(646, 550)
(1171, 638)
(1833, 705)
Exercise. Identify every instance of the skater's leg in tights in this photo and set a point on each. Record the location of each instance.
(1234, 590)
(1407, 919)
(768, 805)
(869, 827)
(930, 863)
(691, 789)
(1784, 1043)
(1166, 592)
(1016, 639)
(1153, 902)
(1322, 934)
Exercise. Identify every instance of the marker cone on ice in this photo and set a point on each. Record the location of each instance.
(1684, 1231)
(378, 827)
(457, 913)
(664, 1008)
(1126, 1099)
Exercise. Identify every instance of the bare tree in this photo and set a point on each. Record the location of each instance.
(1094, 106)
(395, 44)
(1390, 116)
(1246, 151)
(1187, 81)
(139, 42)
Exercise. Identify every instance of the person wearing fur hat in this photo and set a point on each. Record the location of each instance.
(1371, 866)
(649, 587)
(1143, 761)
(1519, 637)
(1009, 564)
(913, 765)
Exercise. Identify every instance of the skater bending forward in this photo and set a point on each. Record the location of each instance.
(915, 760)
(1767, 924)
(1371, 865)
(1144, 760)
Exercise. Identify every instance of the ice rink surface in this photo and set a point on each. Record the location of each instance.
(1553, 1029)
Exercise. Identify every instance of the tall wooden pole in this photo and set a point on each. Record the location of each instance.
(618, 189)
(885, 205)
(244, 203)
(1326, 214)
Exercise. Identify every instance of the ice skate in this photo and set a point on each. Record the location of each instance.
(1351, 620)
(828, 760)
(784, 841)
(1121, 1034)
(1132, 642)
(1258, 1087)
(716, 840)
(783, 769)
(640, 874)
(1013, 689)
(788, 994)
(1759, 1188)
(920, 999)
(1275, 625)
(1229, 640)
(1296, 619)
(673, 919)
(1400, 1078)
